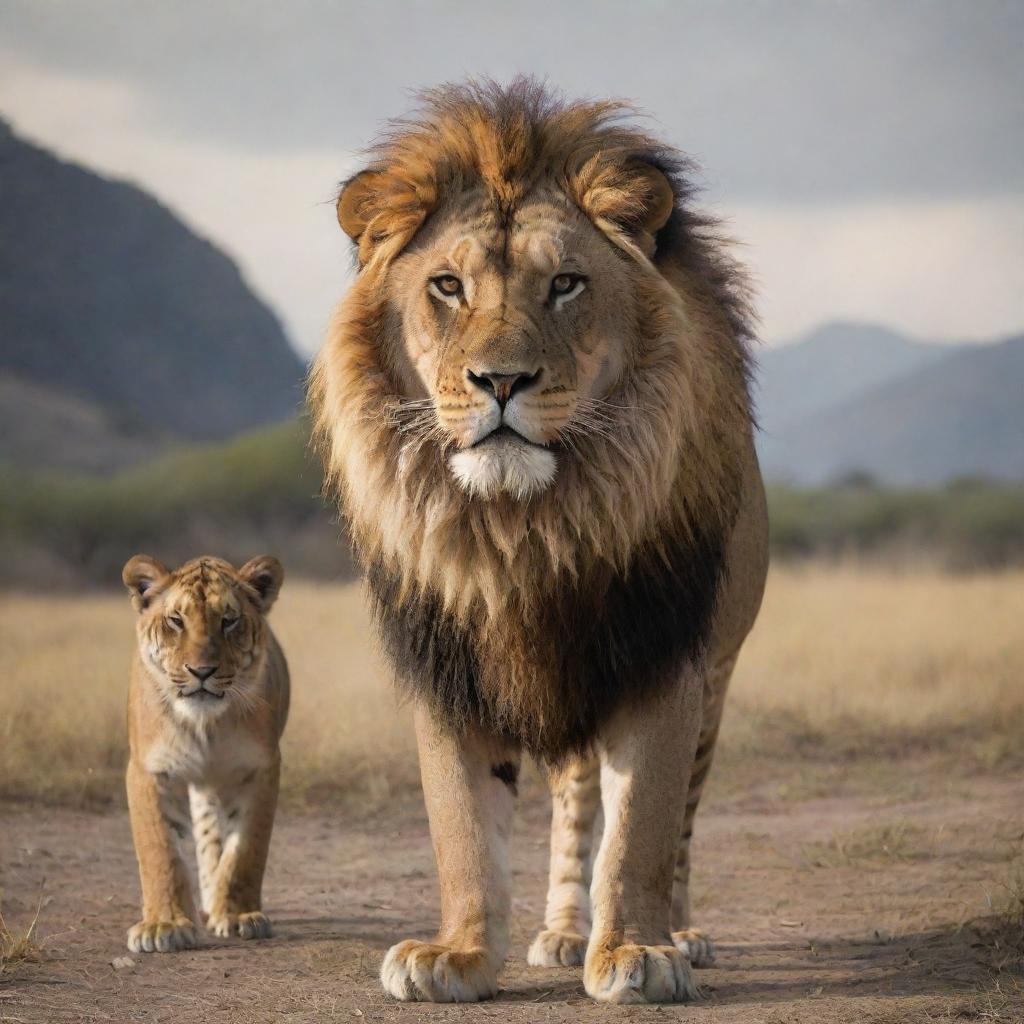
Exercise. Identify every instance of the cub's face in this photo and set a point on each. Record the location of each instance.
(512, 335)
(202, 629)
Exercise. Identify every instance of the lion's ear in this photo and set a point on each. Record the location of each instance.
(357, 203)
(264, 574)
(631, 202)
(657, 200)
(381, 212)
(141, 574)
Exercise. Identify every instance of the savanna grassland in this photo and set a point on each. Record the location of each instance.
(859, 852)
(848, 669)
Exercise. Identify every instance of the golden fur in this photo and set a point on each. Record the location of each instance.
(533, 406)
(207, 704)
(681, 401)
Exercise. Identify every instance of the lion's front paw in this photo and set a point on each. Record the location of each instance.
(557, 949)
(250, 925)
(430, 973)
(162, 936)
(692, 942)
(638, 974)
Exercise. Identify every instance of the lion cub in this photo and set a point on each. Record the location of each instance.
(207, 704)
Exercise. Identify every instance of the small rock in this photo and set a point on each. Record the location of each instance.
(122, 963)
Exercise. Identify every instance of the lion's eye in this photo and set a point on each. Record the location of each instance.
(177, 622)
(566, 284)
(229, 622)
(448, 285)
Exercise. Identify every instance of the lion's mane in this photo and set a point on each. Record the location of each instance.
(539, 618)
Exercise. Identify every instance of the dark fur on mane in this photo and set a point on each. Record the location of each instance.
(598, 644)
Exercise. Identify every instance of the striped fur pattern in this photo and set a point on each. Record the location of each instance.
(533, 408)
(575, 792)
(207, 704)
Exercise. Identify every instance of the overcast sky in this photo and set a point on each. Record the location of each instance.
(869, 155)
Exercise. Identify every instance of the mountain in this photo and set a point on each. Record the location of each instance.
(107, 298)
(833, 363)
(43, 427)
(934, 416)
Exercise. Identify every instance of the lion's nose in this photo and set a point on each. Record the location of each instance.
(202, 672)
(502, 385)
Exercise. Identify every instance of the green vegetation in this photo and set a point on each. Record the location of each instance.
(967, 524)
(258, 492)
(261, 491)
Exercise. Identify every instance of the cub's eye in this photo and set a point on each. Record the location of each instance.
(229, 622)
(177, 622)
(447, 286)
(566, 284)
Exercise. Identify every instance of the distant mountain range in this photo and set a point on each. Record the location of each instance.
(857, 398)
(120, 325)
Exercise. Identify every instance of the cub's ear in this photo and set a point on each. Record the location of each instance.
(264, 574)
(630, 202)
(141, 574)
(381, 213)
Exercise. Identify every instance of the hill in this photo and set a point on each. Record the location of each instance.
(106, 297)
(41, 426)
(960, 416)
(862, 400)
(834, 363)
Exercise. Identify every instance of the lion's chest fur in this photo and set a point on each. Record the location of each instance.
(552, 669)
(222, 755)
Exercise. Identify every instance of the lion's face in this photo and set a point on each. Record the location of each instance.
(202, 629)
(512, 335)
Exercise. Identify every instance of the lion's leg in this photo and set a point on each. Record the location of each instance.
(646, 756)
(692, 941)
(157, 808)
(575, 796)
(206, 830)
(469, 783)
(236, 906)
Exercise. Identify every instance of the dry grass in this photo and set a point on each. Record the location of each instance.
(21, 947)
(847, 665)
(889, 843)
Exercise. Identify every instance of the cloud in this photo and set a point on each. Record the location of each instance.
(939, 270)
(792, 101)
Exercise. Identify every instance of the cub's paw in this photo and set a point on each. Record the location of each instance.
(639, 974)
(251, 925)
(430, 973)
(692, 942)
(162, 936)
(557, 949)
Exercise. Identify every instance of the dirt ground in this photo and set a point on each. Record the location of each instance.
(861, 908)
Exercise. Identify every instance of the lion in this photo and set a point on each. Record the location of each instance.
(533, 407)
(207, 703)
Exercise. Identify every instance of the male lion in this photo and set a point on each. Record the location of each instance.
(533, 404)
(207, 704)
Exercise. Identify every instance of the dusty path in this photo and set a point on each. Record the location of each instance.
(825, 910)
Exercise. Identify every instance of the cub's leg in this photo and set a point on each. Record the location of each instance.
(236, 906)
(158, 811)
(692, 941)
(206, 830)
(469, 783)
(646, 756)
(575, 796)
